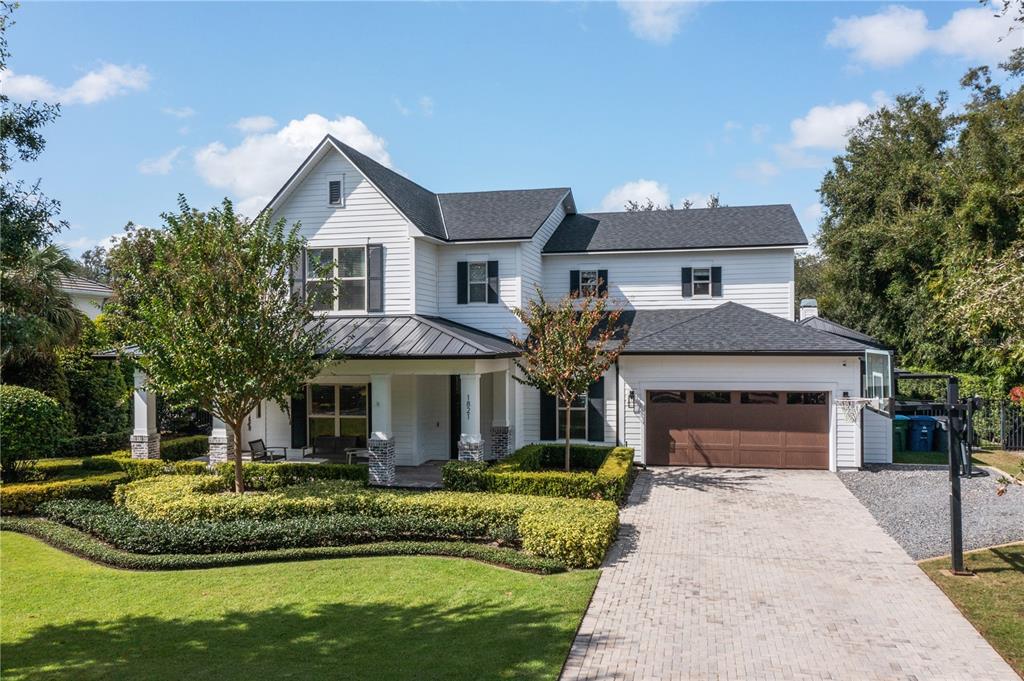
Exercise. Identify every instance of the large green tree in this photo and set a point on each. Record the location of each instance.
(924, 212)
(208, 303)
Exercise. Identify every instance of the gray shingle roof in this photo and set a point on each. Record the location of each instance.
(411, 336)
(836, 329)
(74, 283)
(726, 227)
(730, 328)
(509, 214)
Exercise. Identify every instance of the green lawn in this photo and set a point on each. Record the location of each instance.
(994, 600)
(359, 618)
(1005, 461)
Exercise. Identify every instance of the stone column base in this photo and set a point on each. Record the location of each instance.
(501, 441)
(471, 448)
(146, 446)
(382, 460)
(222, 448)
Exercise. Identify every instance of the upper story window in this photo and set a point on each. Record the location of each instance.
(336, 191)
(588, 282)
(478, 282)
(702, 282)
(336, 278)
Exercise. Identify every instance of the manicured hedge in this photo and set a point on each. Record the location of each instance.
(271, 476)
(184, 448)
(120, 528)
(23, 497)
(81, 544)
(32, 425)
(138, 469)
(539, 457)
(576, 531)
(91, 445)
(610, 480)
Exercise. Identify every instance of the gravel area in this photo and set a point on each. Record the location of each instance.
(911, 503)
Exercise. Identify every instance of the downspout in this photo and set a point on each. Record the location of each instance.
(863, 368)
(618, 404)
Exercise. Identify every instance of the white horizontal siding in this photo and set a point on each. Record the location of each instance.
(877, 437)
(426, 277)
(496, 318)
(367, 217)
(532, 265)
(826, 374)
(761, 279)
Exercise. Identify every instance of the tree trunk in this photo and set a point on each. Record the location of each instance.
(568, 414)
(236, 433)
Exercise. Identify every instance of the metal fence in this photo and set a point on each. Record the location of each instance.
(182, 421)
(998, 422)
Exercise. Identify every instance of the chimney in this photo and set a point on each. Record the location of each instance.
(808, 308)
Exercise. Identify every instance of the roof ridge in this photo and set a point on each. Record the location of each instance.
(433, 324)
(349, 148)
(494, 191)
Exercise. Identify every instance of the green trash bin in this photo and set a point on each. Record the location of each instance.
(900, 430)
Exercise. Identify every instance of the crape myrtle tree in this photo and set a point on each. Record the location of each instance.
(567, 346)
(208, 303)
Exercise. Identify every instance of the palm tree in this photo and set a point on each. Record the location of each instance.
(36, 317)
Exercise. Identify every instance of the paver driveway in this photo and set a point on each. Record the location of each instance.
(758, 574)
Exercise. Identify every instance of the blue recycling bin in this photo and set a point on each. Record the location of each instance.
(922, 433)
(900, 429)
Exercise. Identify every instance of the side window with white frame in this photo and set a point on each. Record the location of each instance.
(336, 191)
(701, 282)
(478, 282)
(588, 282)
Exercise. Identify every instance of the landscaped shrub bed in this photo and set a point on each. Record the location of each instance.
(575, 531)
(82, 544)
(138, 469)
(271, 476)
(184, 448)
(91, 445)
(24, 497)
(523, 473)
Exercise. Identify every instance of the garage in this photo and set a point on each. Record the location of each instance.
(751, 428)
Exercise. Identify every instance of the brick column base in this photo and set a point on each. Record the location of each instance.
(501, 441)
(471, 449)
(382, 460)
(146, 446)
(222, 448)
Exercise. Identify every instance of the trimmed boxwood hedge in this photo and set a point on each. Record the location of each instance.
(23, 498)
(524, 474)
(91, 445)
(81, 544)
(182, 448)
(271, 476)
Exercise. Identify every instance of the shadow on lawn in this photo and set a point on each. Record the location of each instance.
(334, 641)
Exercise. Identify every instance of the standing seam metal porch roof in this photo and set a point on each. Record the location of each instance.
(411, 337)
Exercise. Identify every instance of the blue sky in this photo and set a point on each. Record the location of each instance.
(616, 100)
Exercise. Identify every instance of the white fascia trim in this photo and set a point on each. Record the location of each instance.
(444, 224)
(678, 250)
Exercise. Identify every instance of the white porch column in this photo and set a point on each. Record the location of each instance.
(501, 421)
(145, 437)
(222, 442)
(382, 442)
(470, 442)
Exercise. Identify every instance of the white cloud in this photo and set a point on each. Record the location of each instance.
(255, 169)
(79, 245)
(110, 80)
(826, 127)
(696, 199)
(656, 21)
(637, 190)
(182, 112)
(731, 125)
(758, 171)
(897, 34)
(161, 165)
(251, 124)
(812, 213)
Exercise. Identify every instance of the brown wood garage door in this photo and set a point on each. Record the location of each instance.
(759, 429)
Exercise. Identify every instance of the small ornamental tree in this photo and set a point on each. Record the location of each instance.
(568, 346)
(208, 302)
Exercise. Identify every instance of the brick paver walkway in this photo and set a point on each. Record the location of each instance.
(758, 574)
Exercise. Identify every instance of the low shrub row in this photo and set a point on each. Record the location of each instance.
(610, 480)
(271, 476)
(182, 448)
(24, 497)
(81, 544)
(575, 531)
(538, 457)
(91, 445)
(138, 469)
(116, 526)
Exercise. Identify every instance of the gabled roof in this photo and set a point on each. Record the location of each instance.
(508, 214)
(411, 337)
(692, 228)
(728, 329)
(72, 283)
(836, 329)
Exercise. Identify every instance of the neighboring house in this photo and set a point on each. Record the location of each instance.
(716, 370)
(87, 296)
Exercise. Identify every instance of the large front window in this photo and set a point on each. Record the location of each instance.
(336, 279)
(577, 418)
(338, 410)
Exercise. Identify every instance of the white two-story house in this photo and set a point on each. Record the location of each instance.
(716, 371)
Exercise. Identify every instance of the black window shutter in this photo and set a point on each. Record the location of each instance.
(548, 417)
(595, 411)
(716, 282)
(334, 192)
(687, 282)
(492, 281)
(574, 282)
(298, 414)
(602, 286)
(462, 283)
(375, 278)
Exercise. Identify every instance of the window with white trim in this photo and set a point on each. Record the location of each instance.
(336, 278)
(477, 282)
(701, 281)
(338, 410)
(589, 283)
(577, 418)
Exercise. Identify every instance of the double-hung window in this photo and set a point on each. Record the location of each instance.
(577, 418)
(336, 278)
(477, 282)
(589, 282)
(702, 281)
